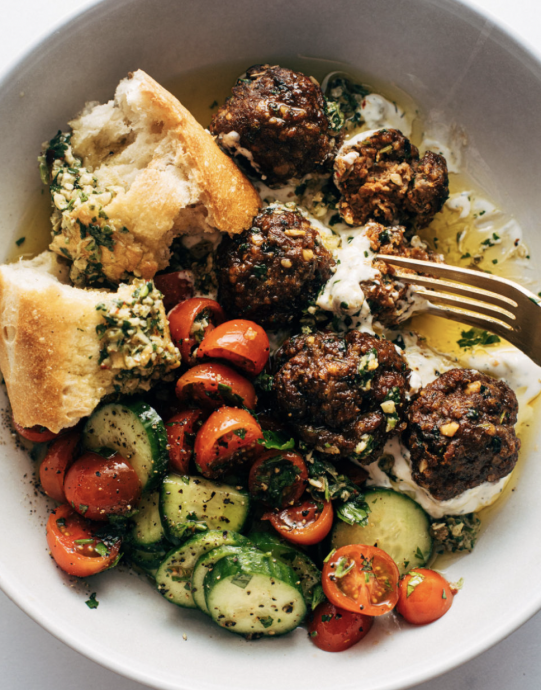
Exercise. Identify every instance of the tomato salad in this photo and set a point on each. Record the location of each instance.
(204, 488)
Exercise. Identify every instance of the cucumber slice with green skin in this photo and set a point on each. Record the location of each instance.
(192, 504)
(146, 560)
(396, 524)
(147, 533)
(308, 574)
(174, 576)
(206, 563)
(136, 431)
(250, 593)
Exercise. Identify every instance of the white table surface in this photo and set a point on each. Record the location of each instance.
(31, 658)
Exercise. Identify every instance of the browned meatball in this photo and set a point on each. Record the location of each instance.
(343, 395)
(461, 432)
(388, 297)
(271, 272)
(381, 178)
(277, 119)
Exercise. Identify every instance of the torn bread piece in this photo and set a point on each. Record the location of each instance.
(134, 173)
(62, 349)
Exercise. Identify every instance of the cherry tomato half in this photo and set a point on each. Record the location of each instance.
(243, 343)
(362, 579)
(175, 287)
(98, 486)
(72, 543)
(36, 434)
(424, 596)
(190, 321)
(53, 468)
(278, 478)
(213, 385)
(229, 437)
(181, 430)
(334, 630)
(306, 523)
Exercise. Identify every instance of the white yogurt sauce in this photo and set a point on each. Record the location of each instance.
(468, 501)
(379, 113)
(343, 292)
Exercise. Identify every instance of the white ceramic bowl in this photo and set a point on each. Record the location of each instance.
(448, 58)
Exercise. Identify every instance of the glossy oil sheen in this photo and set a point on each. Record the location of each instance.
(447, 58)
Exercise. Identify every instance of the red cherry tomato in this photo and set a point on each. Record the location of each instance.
(190, 321)
(53, 468)
(424, 596)
(334, 630)
(278, 478)
(213, 385)
(243, 343)
(181, 430)
(229, 437)
(98, 486)
(175, 287)
(306, 523)
(74, 547)
(361, 579)
(36, 434)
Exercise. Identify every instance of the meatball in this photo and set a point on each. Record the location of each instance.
(388, 297)
(344, 395)
(381, 178)
(271, 272)
(461, 432)
(277, 120)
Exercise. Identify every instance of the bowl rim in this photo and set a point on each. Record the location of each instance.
(531, 56)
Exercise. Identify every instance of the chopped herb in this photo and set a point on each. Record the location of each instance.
(276, 440)
(241, 580)
(475, 337)
(92, 602)
(325, 618)
(266, 622)
(419, 554)
(241, 433)
(455, 533)
(214, 104)
(20, 241)
(343, 567)
(443, 595)
(414, 581)
(101, 549)
(82, 508)
(260, 271)
(264, 382)
(84, 541)
(354, 512)
(61, 522)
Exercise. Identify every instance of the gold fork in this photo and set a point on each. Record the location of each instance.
(477, 299)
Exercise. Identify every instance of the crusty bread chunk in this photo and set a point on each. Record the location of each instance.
(134, 173)
(62, 349)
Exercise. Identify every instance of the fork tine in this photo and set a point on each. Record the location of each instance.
(457, 289)
(471, 319)
(475, 306)
(466, 275)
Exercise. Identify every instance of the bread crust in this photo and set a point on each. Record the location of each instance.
(50, 348)
(230, 197)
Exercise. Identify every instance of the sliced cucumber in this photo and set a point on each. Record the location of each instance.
(206, 563)
(308, 574)
(193, 504)
(146, 560)
(174, 576)
(136, 431)
(147, 533)
(396, 524)
(252, 593)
